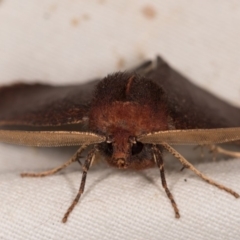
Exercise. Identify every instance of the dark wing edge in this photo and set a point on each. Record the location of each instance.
(41, 105)
(189, 106)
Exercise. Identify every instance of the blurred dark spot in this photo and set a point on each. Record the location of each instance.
(75, 22)
(149, 12)
(121, 62)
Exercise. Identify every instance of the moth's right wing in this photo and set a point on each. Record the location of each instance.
(37, 105)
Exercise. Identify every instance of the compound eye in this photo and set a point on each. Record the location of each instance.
(137, 148)
(109, 148)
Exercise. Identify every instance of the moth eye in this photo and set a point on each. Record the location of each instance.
(109, 148)
(137, 148)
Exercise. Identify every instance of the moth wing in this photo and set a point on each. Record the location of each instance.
(38, 105)
(193, 136)
(188, 105)
(49, 138)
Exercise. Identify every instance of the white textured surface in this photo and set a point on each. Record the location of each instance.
(70, 41)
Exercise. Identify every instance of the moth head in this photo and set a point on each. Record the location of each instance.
(122, 148)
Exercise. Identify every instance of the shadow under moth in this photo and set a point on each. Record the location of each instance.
(128, 117)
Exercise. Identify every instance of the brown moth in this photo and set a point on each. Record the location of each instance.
(128, 117)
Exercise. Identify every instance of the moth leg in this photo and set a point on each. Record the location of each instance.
(88, 162)
(220, 150)
(191, 167)
(159, 160)
(57, 169)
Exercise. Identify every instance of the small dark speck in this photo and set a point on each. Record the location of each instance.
(75, 22)
(185, 180)
(149, 12)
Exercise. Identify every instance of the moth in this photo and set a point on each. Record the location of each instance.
(128, 117)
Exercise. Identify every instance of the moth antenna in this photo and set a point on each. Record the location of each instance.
(74, 158)
(88, 162)
(159, 160)
(197, 172)
(220, 150)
